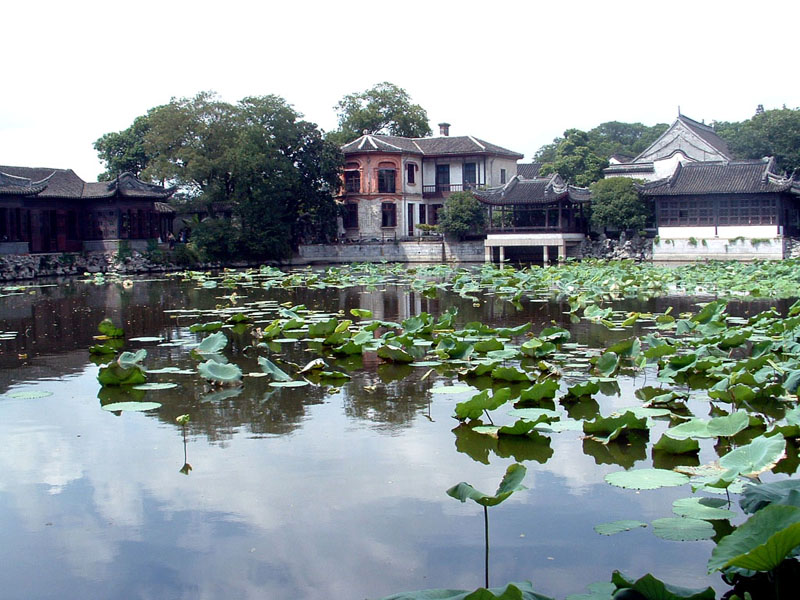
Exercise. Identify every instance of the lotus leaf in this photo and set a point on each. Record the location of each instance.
(675, 446)
(271, 369)
(299, 383)
(130, 406)
(212, 344)
(130, 359)
(618, 526)
(29, 394)
(395, 354)
(707, 509)
(587, 388)
(323, 328)
(654, 589)
(726, 426)
(115, 374)
(361, 313)
(224, 373)
(539, 391)
(512, 591)
(756, 497)
(314, 365)
(108, 329)
(512, 482)
(646, 479)
(760, 455)
(155, 386)
(474, 407)
(485, 346)
(510, 374)
(761, 543)
(203, 327)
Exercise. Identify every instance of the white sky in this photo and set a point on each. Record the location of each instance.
(514, 73)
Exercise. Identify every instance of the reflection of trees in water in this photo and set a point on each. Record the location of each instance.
(390, 396)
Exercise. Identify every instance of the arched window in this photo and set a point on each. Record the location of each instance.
(387, 175)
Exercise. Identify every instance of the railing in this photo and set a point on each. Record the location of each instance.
(542, 229)
(441, 188)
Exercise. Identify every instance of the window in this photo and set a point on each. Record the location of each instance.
(411, 172)
(388, 214)
(502, 176)
(386, 179)
(470, 174)
(352, 182)
(350, 216)
(435, 208)
(442, 178)
(422, 214)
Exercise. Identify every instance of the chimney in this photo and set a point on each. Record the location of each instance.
(444, 129)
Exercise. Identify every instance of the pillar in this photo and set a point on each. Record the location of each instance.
(546, 255)
(562, 252)
(502, 254)
(487, 254)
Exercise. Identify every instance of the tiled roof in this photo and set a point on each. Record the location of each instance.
(717, 177)
(630, 168)
(540, 190)
(431, 146)
(64, 183)
(707, 133)
(529, 170)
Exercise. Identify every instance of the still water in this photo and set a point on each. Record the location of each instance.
(314, 492)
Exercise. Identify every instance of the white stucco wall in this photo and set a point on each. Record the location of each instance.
(734, 231)
(718, 249)
(495, 165)
(665, 166)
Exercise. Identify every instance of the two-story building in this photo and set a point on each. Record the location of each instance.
(393, 184)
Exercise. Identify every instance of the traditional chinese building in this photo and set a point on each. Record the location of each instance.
(54, 210)
(712, 203)
(394, 184)
(534, 219)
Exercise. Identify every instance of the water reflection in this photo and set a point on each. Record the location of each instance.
(283, 479)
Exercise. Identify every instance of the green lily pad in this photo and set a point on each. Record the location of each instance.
(155, 386)
(146, 339)
(289, 384)
(29, 394)
(646, 479)
(452, 389)
(707, 509)
(618, 526)
(212, 344)
(215, 371)
(760, 455)
(683, 529)
(131, 406)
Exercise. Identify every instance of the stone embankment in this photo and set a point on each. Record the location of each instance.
(636, 248)
(30, 266)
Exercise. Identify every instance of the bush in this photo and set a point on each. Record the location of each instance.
(616, 205)
(462, 214)
(216, 240)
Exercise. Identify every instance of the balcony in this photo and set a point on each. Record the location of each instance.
(439, 190)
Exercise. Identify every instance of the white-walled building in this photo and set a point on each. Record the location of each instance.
(393, 184)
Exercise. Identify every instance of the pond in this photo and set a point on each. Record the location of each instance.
(336, 489)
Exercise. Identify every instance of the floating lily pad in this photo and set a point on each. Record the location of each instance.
(452, 389)
(646, 479)
(683, 529)
(618, 526)
(707, 509)
(29, 394)
(216, 371)
(145, 339)
(289, 384)
(155, 386)
(131, 406)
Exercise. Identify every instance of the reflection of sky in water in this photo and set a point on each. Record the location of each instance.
(327, 496)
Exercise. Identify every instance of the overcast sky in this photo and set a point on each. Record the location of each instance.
(514, 73)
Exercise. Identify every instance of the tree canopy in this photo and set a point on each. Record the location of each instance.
(768, 133)
(383, 109)
(616, 205)
(257, 158)
(577, 155)
(462, 214)
(123, 151)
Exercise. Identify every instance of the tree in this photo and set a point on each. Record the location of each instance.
(575, 161)
(123, 151)
(616, 204)
(383, 109)
(768, 133)
(462, 214)
(258, 159)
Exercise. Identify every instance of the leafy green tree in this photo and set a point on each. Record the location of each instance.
(616, 204)
(769, 133)
(383, 109)
(462, 214)
(258, 159)
(123, 151)
(629, 139)
(575, 161)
